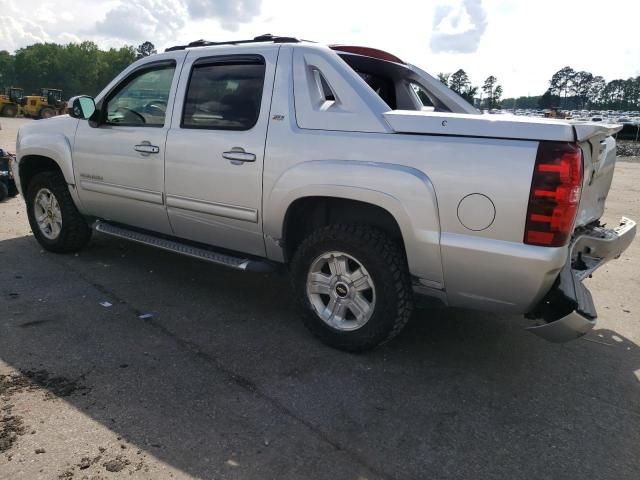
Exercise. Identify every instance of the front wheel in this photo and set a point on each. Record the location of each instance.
(9, 111)
(354, 285)
(55, 221)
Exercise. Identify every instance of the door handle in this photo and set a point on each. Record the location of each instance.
(146, 148)
(237, 155)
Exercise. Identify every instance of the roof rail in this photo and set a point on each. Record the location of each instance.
(261, 38)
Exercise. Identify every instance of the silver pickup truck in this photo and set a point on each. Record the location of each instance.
(369, 179)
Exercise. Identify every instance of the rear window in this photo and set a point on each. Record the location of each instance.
(397, 85)
(382, 85)
(224, 96)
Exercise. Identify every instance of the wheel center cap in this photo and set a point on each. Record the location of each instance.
(341, 289)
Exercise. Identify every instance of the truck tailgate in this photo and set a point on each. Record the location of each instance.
(599, 157)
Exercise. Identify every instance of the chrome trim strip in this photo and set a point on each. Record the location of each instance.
(213, 208)
(133, 193)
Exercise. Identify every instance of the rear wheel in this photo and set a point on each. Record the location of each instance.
(54, 218)
(47, 112)
(9, 111)
(354, 285)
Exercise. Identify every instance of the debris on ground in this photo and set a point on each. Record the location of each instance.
(105, 304)
(32, 380)
(11, 426)
(628, 149)
(117, 464)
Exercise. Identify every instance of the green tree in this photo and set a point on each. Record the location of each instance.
(581, 86)
(112, 62)
(549, 100)
(145, 49)
(40, 65)
(560, 83)
(522, 102)
(595, 90)
(7, 71)
(459, 82)
(76, 68)
(613, 94)
(81, 59)
(492, 92)
(444, 78)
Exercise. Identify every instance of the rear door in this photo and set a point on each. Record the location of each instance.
(215, 147)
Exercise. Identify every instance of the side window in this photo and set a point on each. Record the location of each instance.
(224, 96)
(141, 100)
(423, 97)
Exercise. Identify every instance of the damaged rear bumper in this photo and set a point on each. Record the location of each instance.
(567, 312)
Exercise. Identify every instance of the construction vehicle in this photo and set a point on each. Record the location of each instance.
(555, 112)
(48, 104)
(10, 101)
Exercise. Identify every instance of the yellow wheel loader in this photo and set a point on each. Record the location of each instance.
(48, 104)
(10, 101)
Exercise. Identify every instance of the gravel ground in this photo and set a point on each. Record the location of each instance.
(223, 381)
(629, 151)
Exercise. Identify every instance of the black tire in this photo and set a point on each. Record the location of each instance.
(386, 264)
(75, 233)
(47, 112)
(13, 190)
(4, 191)
(9, 111)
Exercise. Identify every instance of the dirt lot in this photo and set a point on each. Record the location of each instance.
(223, 382)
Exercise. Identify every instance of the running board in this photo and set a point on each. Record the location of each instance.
(226, 260)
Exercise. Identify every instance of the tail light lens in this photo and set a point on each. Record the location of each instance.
(555, 194)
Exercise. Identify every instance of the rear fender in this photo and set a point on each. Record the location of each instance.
(406, 193)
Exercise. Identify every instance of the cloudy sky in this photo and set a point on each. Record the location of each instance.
(522, 42)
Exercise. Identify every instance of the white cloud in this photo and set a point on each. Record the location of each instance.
(521, 42)
(26, 22)
(230, 13)
(18, 31)
(458, 28)
(160, 20)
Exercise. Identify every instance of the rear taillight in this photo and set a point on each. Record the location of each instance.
(555, 194)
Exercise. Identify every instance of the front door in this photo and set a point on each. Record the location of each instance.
(215, 148)
(120, 164)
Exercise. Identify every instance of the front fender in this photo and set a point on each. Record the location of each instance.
(55, 146)
(406, 193)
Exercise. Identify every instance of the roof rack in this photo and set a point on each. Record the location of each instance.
(262, 38)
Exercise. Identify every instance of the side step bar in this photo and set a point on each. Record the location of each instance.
(212, 256)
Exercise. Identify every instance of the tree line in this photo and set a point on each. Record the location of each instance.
(568, 89)
(576, 90)
(490, 92)
(84, 68)
(75, 68)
